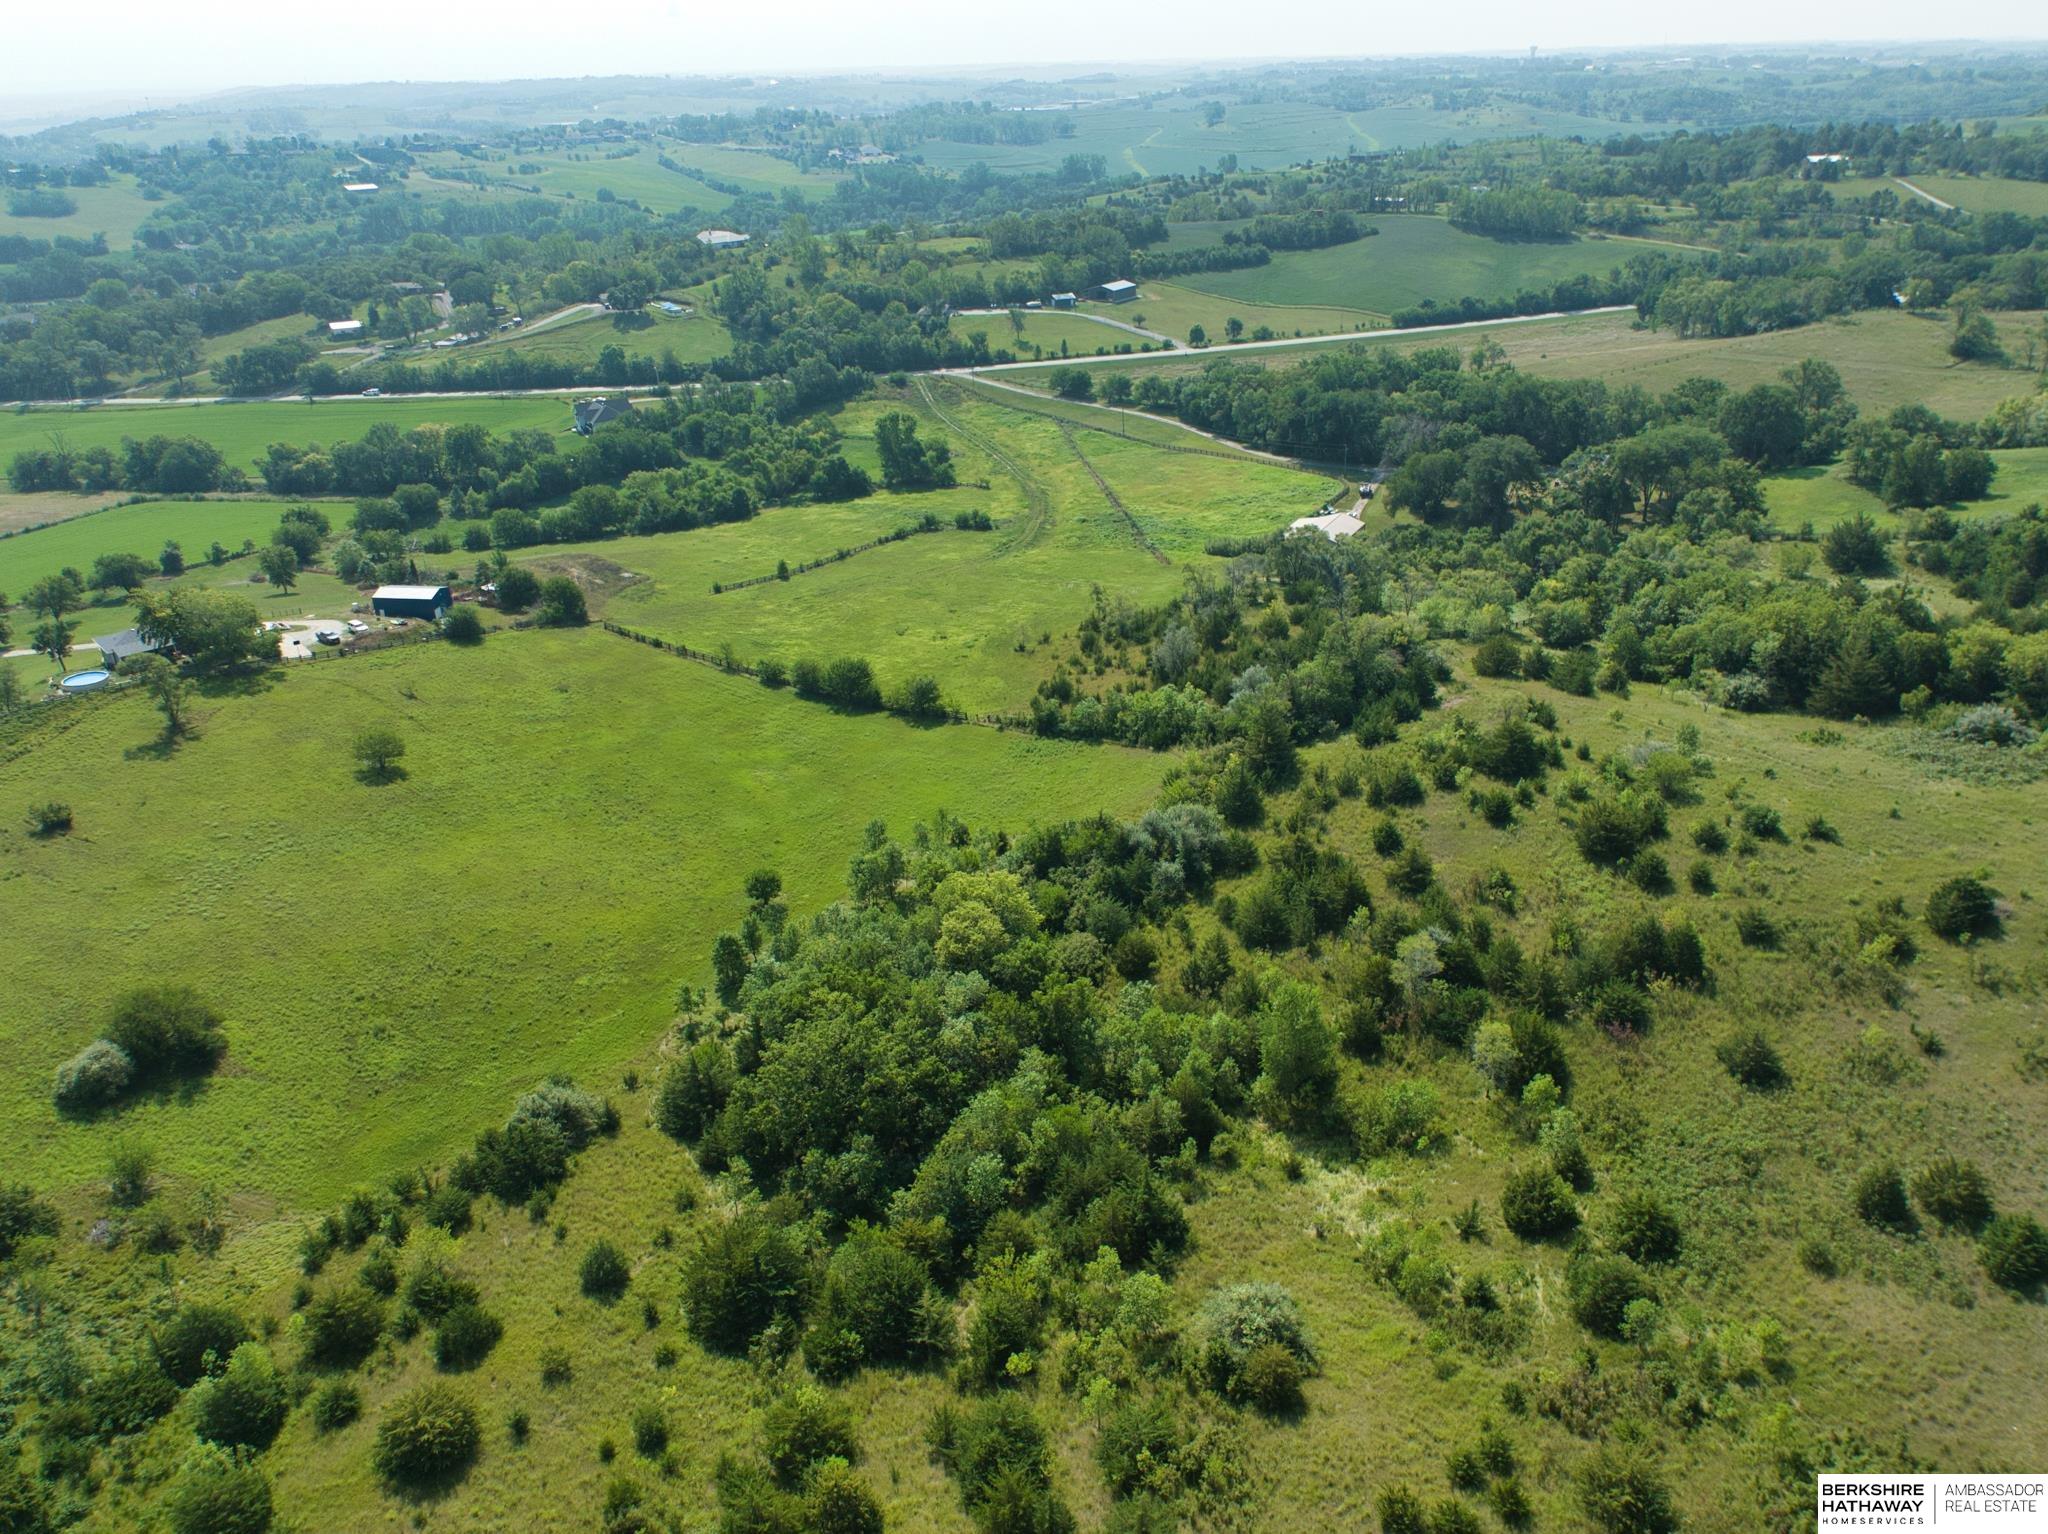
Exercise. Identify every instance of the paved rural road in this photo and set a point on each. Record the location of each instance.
(1220, 349)
(1923, 196)
(1225, 348)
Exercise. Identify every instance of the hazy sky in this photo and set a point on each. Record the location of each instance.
(185, 46)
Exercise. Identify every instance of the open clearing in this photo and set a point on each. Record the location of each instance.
(1886, 358)
(398, 961)
(971, 609)
(142, 528)
(115, 210)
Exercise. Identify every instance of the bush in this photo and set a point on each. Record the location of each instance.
(1756, 928)
(336, 1404)
(166, 1030)
(839, 1502)
(377, 750)
(463, 625)
(465, 1337)
(1498, 655)
(998, 1441)
(694, 1090)
(91, 1079)
(1614, 829)
(1880, 1198)
(430, 1435)
(650, 1429)
(1642, 1229)
(605, 1273)
(518, 589)
(1601, 1290)
(804, 1427)
(870, 1306)
(342, 1325)
(1240, 1322)
(1962, 907)
(50, 819)
(1401, 1511)
(1751, 1060)
(561, 604)
(1954, 1192)
(22, 1215)
(1622, 1494)
(746, 1273)
(1537, 1204)
(1271, 1379)
(197, 1342)
(2014, 1251)
(127, 1396)
(245, 1405)
(216, 1493)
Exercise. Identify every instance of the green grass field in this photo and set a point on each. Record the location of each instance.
(243, 429)
(970, 609)
(1887, 358)
(754, 170)
(1046, 330)
(398, 961)
(696, 337)
(1987, 194)
(1824, 496)
(139, 529)
(1413, 258)
(115, 210)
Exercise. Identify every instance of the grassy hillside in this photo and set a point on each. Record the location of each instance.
(140, 529)
(115, 210)
(1411, 259)
(397, 960)
(1886, 358)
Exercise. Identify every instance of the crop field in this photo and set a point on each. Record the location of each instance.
(1413, 257)
(1887, 358)
(583, 173)
(399, 960)
(243, 429)
(755, 170)
(971, 609)
(1987, 194)
(115, 210)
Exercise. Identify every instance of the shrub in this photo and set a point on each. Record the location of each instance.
(560, 604)
(336, 1404)
(49, 819)
(2014, 1251)
(377, 749)
(1401, 1511)
(1498, 655)
(1614, 829)
(91, 1079)
(166, 1030)
(999, 1441)
(605, 1273)
(216, 1493)
(1755, 927)
(804, 1427)
(1879, 1198)
(1622, 1494)
(245, 1405)
(198, 1341)
(556, 1366)
(869, 1307)
(1751, 1060)
(650, 1429)
(342, 1325)
(465, 1337)
(1271, 1379)
(1602, 1289)
(429, 1435)
(1642, 1229)
(1240, 1321)
(1962, 907)
(22, 1215)
(1537, 1203)
(693, 1090)
(839, 1502)
(1763, 822)
(1954, 1192)
(463, 625)
(518, 589)
(747, 1272)
(127, 1396)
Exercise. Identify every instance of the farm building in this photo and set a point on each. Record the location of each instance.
(344, 327)
(722, 239)
(670, 306)
(359, 186)
(1333, 525)
(1064, 300)
(1120, 291)
(126, 645)
(593, 413)
(427, 602)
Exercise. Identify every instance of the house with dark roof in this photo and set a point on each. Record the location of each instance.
(593, 413)
(126, 645)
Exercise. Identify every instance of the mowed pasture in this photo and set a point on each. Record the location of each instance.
(974, 610)
(1887, 358)
(1821, 497)
(115, 210)
(141, 528)
(1413, 258)
(1986, 194)
(242, 430)
(397, 961)
(582, 338)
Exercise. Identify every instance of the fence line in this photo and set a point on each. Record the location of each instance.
(1137, 532)
(900, 535)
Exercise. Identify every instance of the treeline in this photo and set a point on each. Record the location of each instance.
(1517, 212)
(167, 465)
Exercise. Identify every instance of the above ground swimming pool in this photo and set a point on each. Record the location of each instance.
(85, 681)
